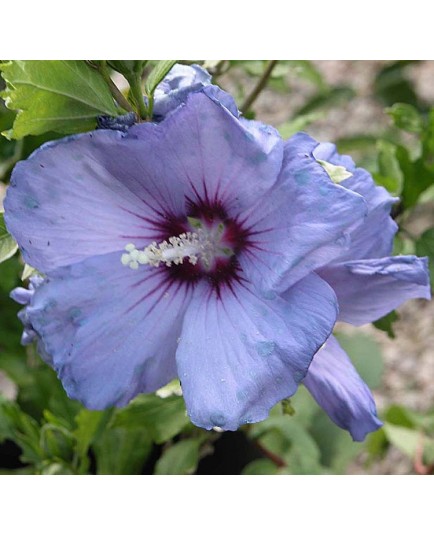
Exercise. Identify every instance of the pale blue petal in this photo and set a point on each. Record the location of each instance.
(303, 223)
(337, 387)
(373, 238)
(369, 289)
(111, 331)
(240, 354)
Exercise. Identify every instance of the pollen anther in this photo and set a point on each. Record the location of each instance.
(203, 244)
(172, 251)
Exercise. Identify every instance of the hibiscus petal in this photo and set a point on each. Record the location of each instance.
(217, 158)
(85, 195)
(369, 289)
(111, 332)
(240, 354)
(340, 391)
(374, 237)
(176, 86)
(302, 224)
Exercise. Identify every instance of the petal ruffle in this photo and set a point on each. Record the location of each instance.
(176, 86)
(111, 332)
(303, 223)
(374, 237)
(337, 387)
(182, 80)
(239, 354)
(369, 289)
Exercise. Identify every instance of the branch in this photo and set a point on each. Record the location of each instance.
(262, 82)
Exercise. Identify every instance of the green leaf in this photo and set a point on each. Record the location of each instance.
(122, 451)
(61, 96)
(386, 323)
(334, 97)
(179, 459)
(392, 85)
(305, 406)
(403, 245)
(425, 248)
(127, 67)
(260, 467)
(89, 426)
(376, 444)
(284, 436)
(339, 449)
(163, 418)
(389, 171)
(22, 429)
(400, 416)
(57, 442)
(365, 355)
(8, 246)
(356, 143)
(406, 117)
(404, 439)
(304, 455)
(306, 69)
(157, 74)
(418, 174)
(289, 128)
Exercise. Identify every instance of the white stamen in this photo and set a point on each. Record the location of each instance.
(186, 246)
(191, 246)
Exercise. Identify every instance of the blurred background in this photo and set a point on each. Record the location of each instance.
(379, 112)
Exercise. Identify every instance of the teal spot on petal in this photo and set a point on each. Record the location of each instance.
(341, 240)
(324, 190)
(75, 314)
(265, 348)
(269, 295)
(140, 369)
(264, 312)
(227, 137)
(249, 135)
(258, 158)
(302, 177)
(31, 202)
(218, 419)
(299, 376)
(242, 396)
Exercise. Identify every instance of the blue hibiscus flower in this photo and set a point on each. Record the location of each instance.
(182, 249)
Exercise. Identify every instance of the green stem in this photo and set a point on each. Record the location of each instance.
(117, 95)
(135, 82)
(150, 107)
(262, 82)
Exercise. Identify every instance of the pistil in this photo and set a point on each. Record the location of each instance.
(204, 244)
